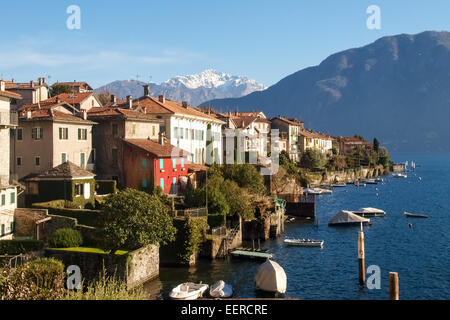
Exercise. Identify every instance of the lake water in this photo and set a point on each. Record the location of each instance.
(420, 254)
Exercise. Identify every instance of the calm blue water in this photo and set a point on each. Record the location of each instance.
(420, 254)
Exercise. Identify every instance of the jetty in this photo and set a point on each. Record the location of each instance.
(252, 254)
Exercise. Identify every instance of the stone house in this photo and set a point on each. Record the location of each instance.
(289, 129)
(114, 125)
(31, 92)
(48, 135)
(66, 181)
(77, 86)
(185, 127)
(347, 145)
(8, 188)
(150, 163)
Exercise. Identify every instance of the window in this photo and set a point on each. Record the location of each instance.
(92, 156)
(37, 133)
(182, 162)
(186, 133)
(3, 230)
(161, 163)
(161, 183)
(12, 226)
(115, 129)
(12, 198)
(153, 130)
(82, 159)
(115, 157)
(174, 163)
(79, 189)
(19, 161)
(3, 199)
(19, 134)
(82, 134)
(63, 157)
(63, 133)
(37, 161)
(144, 183)
(144, 163)
(175, 180)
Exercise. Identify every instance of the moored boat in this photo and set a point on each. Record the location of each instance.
(304, 242)
(271, 278)
(372, 212)
(413, 215)
(221, 290)
(399, 175)
(345, 217)
(188, 291)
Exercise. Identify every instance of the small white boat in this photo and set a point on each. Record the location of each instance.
(188, 291)
(271, 278)
(370, 212)
(413, 215)
(370, 181)
(304, 242)
(399, 175)
(342, 185)
(317, 191)
(359, 184)
(379, 180)
(221, 290)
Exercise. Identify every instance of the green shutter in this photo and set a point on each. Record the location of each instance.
(79, 134)
(3, 199)
(13, 197)
(41, 131)
(3, 230)
(67, 133)
(60, 133)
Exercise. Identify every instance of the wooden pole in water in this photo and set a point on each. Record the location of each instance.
(361, 258)
(393, 286)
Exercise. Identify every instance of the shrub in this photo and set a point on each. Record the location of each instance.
(40, 279)
(15, 247)
(66, 238)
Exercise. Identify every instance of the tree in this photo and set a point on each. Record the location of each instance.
(383, 157)
(103, 97)
(376, 145)
(313, 159)
(246, 176)
(132, 219)
(58, 89)
(238, 200)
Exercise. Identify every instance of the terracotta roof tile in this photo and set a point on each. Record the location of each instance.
(66, 170)
(164, 151)
(10, 94)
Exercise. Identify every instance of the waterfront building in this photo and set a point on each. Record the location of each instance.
(8, 188)
(113, 125)
(148, 164)
(315, 140)
(347, 145)
(289, 129)
(185, 127)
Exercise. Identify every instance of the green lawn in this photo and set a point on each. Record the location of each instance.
(92, 250)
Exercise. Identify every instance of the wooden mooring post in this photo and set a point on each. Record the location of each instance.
(393, 286)
(361, 258)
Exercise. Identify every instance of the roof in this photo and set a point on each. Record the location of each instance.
(154, 106)
(195, 167)
(291, 121)
(10, 94)
(24, 85)
(347, 217)
(315, 135)
(66, 170)
(72, 98)
(107, 112)
(354, 140)
(50, 114)
(75, 84)
(162, 151)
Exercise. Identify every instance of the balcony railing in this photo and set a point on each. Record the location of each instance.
(9, 119)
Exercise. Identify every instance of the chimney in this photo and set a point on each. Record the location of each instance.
(130, 102)
(185, 104)
(161, 138)
(113, 99)
(28, 114)
(2, 86)
(58, 100)
(41, 81)
(162, 98)
(31, 84)
(146, 90)
(84, 112)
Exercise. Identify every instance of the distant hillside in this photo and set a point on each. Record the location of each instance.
(195, 89)
(396, 89)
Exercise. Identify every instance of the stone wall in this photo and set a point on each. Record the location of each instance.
(142, 266)
(26, 221)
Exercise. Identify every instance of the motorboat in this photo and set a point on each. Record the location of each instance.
(221, 290)
(399, 175)
(304, 242)
(379, 179)
(370, 181)
(359, 184)
(413, 215)
(342, 185)
(317, 191)
(371, 212)
(188, 291)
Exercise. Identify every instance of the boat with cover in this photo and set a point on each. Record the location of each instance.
(345, 217)
(304, 242)
(271, 278)
(221, 290)
(188, 291)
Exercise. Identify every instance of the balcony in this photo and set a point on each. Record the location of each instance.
(9, 119)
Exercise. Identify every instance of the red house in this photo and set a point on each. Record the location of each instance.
(148, 164)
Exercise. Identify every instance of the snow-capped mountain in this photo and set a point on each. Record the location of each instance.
(196, 89)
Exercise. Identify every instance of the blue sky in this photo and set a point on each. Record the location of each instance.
(264, 40)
